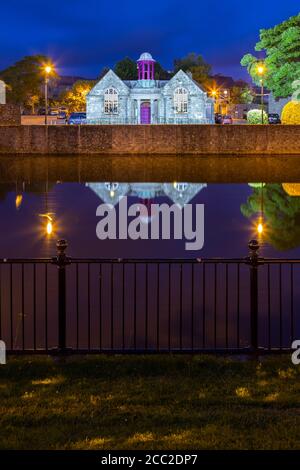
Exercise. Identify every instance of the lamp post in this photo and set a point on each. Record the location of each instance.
(48, 69)
(261, 71)
(214, 96)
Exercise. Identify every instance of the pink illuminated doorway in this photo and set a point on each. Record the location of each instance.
(145, 113)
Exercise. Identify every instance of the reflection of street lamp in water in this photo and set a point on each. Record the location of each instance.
(49, 223)
(48, 228)
(260, 226)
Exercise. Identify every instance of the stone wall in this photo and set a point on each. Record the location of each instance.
(153, 140)
(10, 115)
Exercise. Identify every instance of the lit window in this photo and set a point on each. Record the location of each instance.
(181, 187)
(111, 101)
(181, 100)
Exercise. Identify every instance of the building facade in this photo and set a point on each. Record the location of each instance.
(180, 100)
(2, 92)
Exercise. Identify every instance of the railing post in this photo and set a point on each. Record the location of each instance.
(61, 261)
(253, 260)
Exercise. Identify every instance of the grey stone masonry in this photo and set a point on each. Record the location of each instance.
(2, 92)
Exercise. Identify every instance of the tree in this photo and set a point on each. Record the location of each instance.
(281, 45)
(191, 60)
(160, 73)
(241, 95)
(103, 72)
(126, 69)
(195, 64)
(75, 99)
(32, 102)
(24, 79)
(281, 212)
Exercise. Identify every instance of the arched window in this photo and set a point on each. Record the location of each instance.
(181, 100)
(111, 101)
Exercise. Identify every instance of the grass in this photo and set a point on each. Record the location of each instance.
(149, 402)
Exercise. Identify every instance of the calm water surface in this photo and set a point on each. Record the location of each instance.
(103, 316)
(232, 212)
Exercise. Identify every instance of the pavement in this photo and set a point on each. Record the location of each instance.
(40, 120)
(52, 120)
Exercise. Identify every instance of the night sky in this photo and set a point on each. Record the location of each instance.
(82, 37)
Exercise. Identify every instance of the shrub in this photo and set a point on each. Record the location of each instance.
(291, 113)
(254, 117)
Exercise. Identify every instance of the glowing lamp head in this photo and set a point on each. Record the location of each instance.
(214, 92)
(260, 69)
(260, 228)
(48, 69)
(49, 227)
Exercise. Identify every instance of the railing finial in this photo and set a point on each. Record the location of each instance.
(254, 247)
(61, 246)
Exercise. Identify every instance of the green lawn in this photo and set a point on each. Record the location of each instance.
(149, 402)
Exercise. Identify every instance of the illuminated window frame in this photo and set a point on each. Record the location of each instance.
(111, 101)
(181, 100)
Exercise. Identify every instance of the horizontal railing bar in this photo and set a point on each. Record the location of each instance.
(217, 351)
(150, 260)
(157, 260)
(279, 261)
(183, 260)
(25, 260)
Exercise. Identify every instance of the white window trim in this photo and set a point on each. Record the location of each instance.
(180, 105)
(111, 101)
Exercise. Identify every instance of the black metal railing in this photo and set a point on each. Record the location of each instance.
(65, 304)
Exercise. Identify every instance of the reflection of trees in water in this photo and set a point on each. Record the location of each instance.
(6, 188)
(281, 213)
(38, 188)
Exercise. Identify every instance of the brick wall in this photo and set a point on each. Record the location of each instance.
(10, 115)
(154, 140)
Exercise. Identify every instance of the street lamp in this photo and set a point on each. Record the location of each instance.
(261, 71)
(48, 69)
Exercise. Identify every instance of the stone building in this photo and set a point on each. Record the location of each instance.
(2, 92)
(180, 100)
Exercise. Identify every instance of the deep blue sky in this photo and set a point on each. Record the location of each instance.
(82, 37)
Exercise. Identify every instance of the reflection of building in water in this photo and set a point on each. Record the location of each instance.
(178, 193)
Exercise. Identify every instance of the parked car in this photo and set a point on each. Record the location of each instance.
(274, 118)
(227, 119)
(218, 118)
(77, 118)
(53, 112)
(62, 115)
